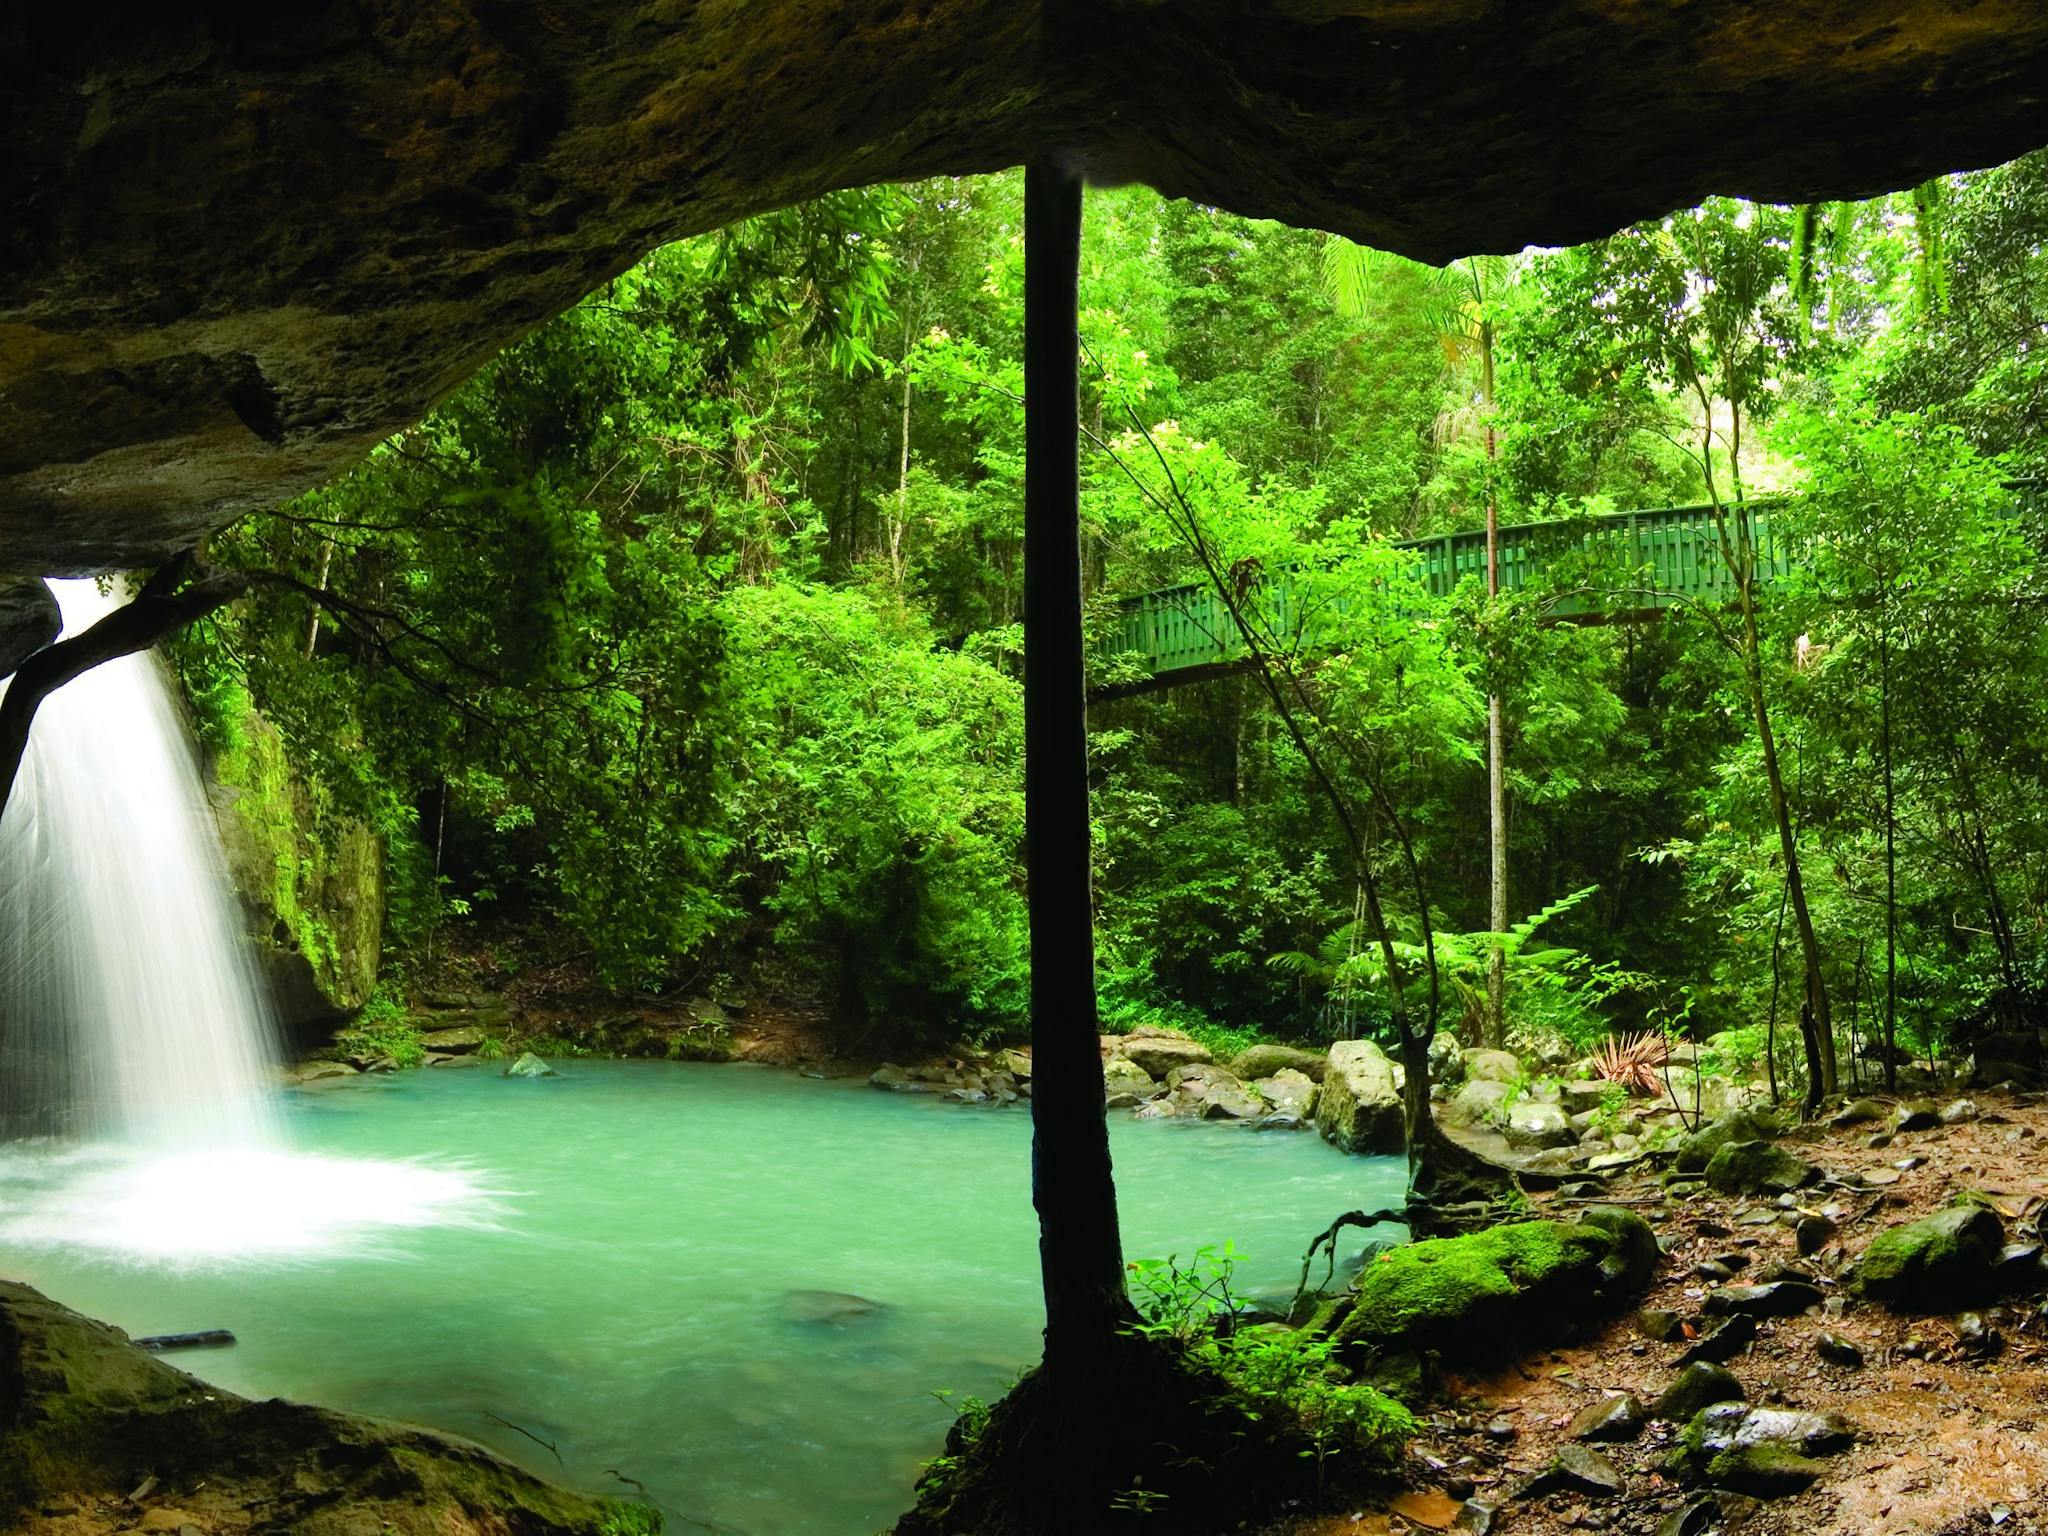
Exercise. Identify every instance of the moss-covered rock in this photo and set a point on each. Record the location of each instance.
(84, 1414)
(1755, 1168)
(1762, 1452)
(1266, 1059)
(1698, 1149)
(1935, 1264)
(311, 880)
(1463, 1297)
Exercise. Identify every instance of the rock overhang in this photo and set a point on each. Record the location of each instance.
(246, 243)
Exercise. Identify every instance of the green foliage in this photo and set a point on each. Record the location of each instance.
(684, 638)
(621, 1518)
(1277, 1373)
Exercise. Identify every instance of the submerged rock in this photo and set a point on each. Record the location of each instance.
(1359, 1108)
(529, 1065)
(829, 1307)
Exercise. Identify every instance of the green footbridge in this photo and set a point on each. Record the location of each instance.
(1647, 561)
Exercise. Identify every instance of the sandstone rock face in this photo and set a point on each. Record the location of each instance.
(91, 1419)
(245, 243)
(1359, 1108)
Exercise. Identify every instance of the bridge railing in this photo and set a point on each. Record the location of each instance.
(1638, 562)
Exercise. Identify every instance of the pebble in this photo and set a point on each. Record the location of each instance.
(1500, 1431)
(1612, 1418)
(1836, 1350)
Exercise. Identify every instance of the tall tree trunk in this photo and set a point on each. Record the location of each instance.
(1891, 858)
(313, 623)
(1496, 752)
(1080, 1251)
(1816, 1024)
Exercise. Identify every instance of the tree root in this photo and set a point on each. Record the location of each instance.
(1151, 1440)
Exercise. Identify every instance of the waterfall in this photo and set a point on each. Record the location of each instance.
(131, 1010)
(139, 1115)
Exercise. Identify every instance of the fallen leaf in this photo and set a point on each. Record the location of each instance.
(1430, 1508)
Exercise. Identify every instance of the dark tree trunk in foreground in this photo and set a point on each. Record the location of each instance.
(1080, 1255)
(159, 609)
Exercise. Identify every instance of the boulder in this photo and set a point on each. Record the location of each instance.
(1699, 1385)
(458, 1041)
(1479, 1100)
(1612, 1418)
(1721, 1342)
(1533, 1126)
(1159, 1051)
(1915, 1115)
(1290, 1093)
(1575, 1469)
(1777, 1298)
(1121, 1076)
(1757, 1167)
(1589, 1095)
(1211, 1093)
(90, 1419)
(1935, 1263)
(1698, 1149)
(1960, 1112)
(529, 1065)
(1466, 1298)
(1265, 1060)
(1494, 1066)
(1446, 1060)
(891, 1078)
(1856, 1112)
(1359, 1108)
(1762, 1452)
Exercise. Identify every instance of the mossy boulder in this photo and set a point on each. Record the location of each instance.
(1762, 1452)
(1468, 1297)
(1698, 1149)
(1935, 1264)
(1757, 1168)
(86, 1416)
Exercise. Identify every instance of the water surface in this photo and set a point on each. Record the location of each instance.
(606, 1260)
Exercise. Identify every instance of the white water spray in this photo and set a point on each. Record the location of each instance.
(137, 1040)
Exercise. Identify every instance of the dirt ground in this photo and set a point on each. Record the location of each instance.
(1949, 1442)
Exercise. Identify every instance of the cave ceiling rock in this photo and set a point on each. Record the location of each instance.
(245, 243)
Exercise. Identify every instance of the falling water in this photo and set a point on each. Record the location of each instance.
(138, 1048)
(130, 1004)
